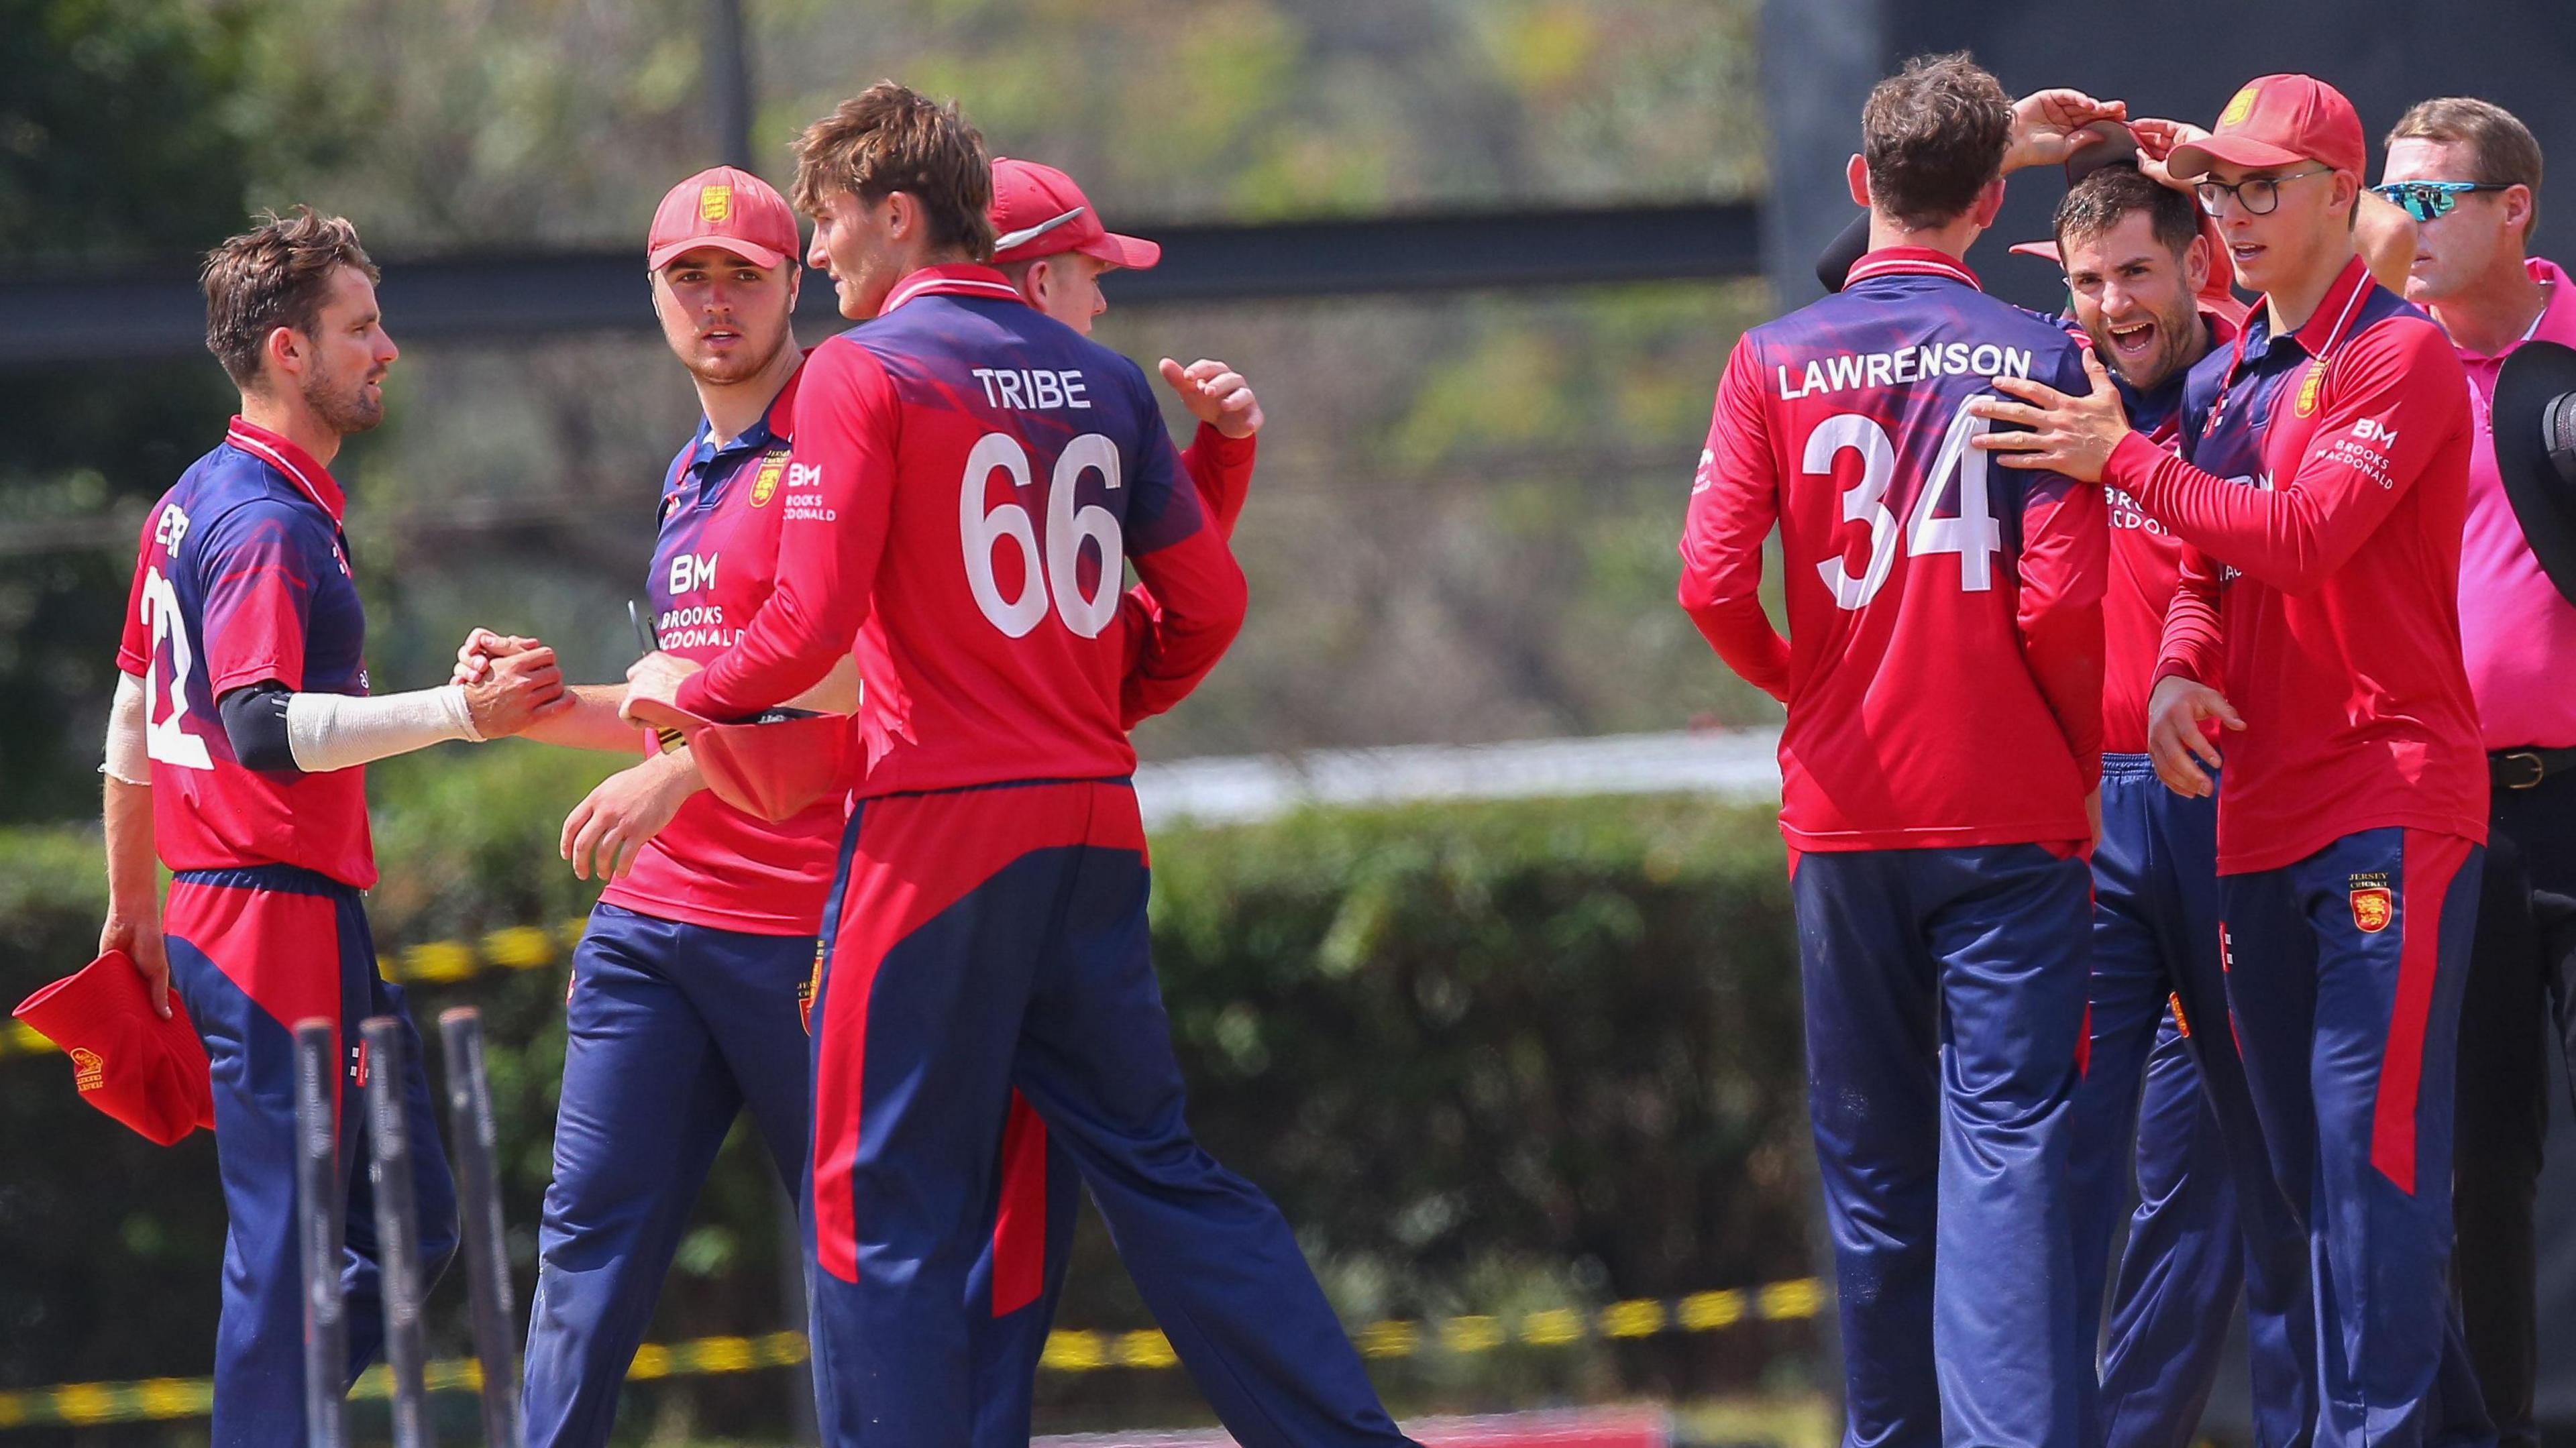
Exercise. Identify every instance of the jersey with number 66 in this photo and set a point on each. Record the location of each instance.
(243, 576)
(973, 480)
(1943, 669)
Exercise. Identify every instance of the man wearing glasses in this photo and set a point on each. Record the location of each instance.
(2469, 174)
(2320, 494)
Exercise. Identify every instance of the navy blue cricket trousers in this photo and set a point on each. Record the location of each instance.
(671, 1031)
(2210, 1220)
(252, 952)
(1945, 994)
(991, 939)
(2346, 971)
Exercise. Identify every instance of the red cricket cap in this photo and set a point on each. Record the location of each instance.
(723, 207)
(149, 1073)
(1038, 211)
(2276, 120)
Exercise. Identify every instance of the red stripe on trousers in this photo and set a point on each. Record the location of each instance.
(2427, 868)
(1020, 1226)
(917, 855)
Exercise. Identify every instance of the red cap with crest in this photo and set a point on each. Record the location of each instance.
(725, 208)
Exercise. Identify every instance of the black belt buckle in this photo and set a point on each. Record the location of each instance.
(2521, 769)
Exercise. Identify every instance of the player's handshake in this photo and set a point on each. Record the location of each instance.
(510, 683)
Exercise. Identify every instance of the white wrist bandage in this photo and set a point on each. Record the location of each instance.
(126, 756)
(336, 731)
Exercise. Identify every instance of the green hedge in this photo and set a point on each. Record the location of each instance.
(1485, 1056)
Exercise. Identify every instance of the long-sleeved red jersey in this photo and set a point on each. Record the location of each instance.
(1943, 670)
(2322, 488)
(970, 480)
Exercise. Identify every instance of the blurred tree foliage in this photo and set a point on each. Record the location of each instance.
(130, 131)
(1488, 1057)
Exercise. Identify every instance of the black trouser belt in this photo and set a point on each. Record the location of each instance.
(2526, 768)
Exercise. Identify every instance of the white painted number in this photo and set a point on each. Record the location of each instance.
(1973, 534)
(1068, 528)
(1864, 501)
(167, 739)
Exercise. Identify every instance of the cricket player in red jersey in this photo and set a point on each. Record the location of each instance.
(977, 477)
(687, 1001)
(235, 754)
(2321, 489)
(1942, 618)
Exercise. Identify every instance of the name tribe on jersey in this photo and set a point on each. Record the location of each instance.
(715, 562)
(1922, 584)
(985, 475)
(241, 577)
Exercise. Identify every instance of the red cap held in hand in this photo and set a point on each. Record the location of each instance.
(1038, 211)
(2279, 120)
(149, 1073)
(726, 208)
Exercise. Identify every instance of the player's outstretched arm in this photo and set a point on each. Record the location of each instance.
(133, 869)
(274, 728)
(2065, 568)
(830, 540)
(2392, 406)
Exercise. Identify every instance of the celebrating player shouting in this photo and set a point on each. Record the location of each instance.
(976, 477)
(1942, 619)
(234, 749)
(2322, 493)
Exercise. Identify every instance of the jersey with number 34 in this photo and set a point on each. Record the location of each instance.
(243, 577)
(1943, 672)
(976, 478)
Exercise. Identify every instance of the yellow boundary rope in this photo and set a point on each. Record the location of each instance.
(82, 1404)
(435, 962)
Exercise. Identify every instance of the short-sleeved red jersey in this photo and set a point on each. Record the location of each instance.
(975, 477)
(1943, 669)
(714, 564)
(243, 577)
(2327, 471)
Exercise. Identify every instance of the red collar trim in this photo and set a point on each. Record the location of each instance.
(960, 279)
(2332, 321)
(1920, 261)
(298, 465)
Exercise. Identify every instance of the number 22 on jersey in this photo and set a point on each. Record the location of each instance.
(1972, 533)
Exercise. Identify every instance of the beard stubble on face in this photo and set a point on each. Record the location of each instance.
(2178, 328)
(344, 405)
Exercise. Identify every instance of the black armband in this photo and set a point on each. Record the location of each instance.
(255, 722)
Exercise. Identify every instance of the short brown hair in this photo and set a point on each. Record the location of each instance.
(891, 138)
(273, 275)
(2507, 154)
(2112, 194)
(1934, 134)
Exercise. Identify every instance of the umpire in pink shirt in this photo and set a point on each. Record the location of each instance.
(2469, 173)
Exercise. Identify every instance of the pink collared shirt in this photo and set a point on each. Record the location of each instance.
(2517, 632)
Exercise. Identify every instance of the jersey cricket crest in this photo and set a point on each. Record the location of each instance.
(2373, 904)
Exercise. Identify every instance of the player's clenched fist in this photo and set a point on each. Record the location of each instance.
(2175, 738)
(516, 690)
(1216, 395)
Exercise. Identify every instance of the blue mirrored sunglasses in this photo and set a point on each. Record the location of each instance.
(2426, 200)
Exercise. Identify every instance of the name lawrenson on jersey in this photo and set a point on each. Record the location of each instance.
(1849, 371)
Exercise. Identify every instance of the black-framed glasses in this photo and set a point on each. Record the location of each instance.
(2257, 194)
(2428, 200)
